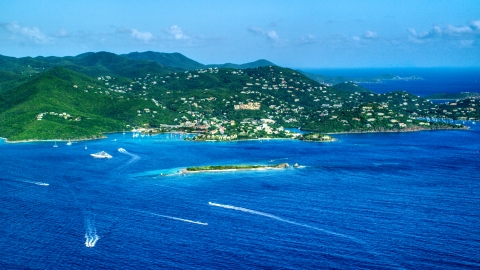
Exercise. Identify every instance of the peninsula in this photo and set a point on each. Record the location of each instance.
(85, 96)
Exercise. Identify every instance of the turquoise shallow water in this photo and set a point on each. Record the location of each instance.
(386, 200)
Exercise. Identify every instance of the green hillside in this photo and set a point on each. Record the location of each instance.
(255, 64)
(175, 60)
(84, 96)
(350, 87)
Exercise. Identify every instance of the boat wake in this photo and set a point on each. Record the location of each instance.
(246, 210)
(91, 236)
(134, 158)
(181, 219)
(35, 183)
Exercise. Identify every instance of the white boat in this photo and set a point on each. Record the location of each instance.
(55, 145)
(102, 154)
(69, 142)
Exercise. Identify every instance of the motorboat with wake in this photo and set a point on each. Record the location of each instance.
(101, 154)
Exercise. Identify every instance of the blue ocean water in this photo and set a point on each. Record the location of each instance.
(436, 80)
(385, 200)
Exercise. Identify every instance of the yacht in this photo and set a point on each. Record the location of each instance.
(102, 154)
(69, 142)
(55, 145)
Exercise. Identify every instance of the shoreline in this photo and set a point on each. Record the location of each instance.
(398, 131)
(185, 171)
(256, 139)
(52, 140)
(264, 168)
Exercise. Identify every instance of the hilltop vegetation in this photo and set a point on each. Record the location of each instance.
(82, 97)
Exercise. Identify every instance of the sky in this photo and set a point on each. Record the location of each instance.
(295, 34)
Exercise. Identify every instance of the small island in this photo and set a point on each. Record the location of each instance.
(453, 96)
(317, 137)
(223, 168)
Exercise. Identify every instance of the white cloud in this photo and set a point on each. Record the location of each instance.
(369, 35)
(308, 39)
(271, 35)
(475, 25)
(135, 34)
(32, 33)
(452, 30)
(143, 36)
(176, 32)
(448, 31)
(364, 39)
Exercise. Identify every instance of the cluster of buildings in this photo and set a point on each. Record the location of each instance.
(63, 115)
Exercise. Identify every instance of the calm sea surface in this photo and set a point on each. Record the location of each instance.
(391, 200)
(385, 200)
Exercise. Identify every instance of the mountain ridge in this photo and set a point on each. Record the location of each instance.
(81, 97)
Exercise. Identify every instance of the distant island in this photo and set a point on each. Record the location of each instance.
(454, 96)
(332, 80)
(221, 168)
(82, 97)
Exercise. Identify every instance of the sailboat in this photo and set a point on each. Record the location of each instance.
(69, 142)
(55, 145)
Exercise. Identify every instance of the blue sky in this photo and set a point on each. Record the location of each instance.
(297, 34)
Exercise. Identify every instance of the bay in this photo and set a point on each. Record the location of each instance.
(385, 200)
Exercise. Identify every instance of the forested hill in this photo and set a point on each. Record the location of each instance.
(83, 96)
(14, 71)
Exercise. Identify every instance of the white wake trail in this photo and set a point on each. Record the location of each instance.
(134, 158)
(181, 219)
(91, 236)
(246, 210)
(35, 183)
(169, 217)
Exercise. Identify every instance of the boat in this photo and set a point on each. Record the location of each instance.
(55, 145)
(69, 142)
(101, 154)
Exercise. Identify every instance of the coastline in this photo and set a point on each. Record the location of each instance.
(239, 140)
(185, 171)
(81, 139)
(263, 168)
(53, 140)
(399, 131)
